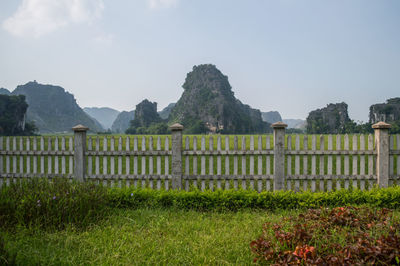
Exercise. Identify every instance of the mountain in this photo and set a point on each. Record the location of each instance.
(4, 91)
(122, 122)
(104, 115)
(387, 112)
(208, 104)
(164, 113)
(295, 123)
(271, 117)
(332, 119)
(12, 114)
(54, 110)
(147, 120)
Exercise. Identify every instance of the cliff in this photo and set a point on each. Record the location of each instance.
(53, 110)
(208, 104)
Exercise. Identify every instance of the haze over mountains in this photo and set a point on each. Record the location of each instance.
(207, 104)
(104, 115)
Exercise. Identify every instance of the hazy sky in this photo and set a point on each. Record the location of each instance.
(287, 55)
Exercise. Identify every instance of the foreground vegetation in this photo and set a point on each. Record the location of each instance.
(60, 222)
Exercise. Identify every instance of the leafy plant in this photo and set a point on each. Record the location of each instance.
(338, 236)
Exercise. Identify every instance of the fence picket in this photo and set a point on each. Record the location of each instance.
(203, 163)
(195, 172)
(313, 161)
(330, 166)
(28, 158)
(297, 164)
(268, 162)
(41, 156)
(370, 160)
(90, 148)
(167, 163)
(143, 160)
(211, 163)
(105, 161)
(151, 163)
(63, 160)
(235, 161)
(112, 160)
(119, 161)
(21, 157)
(251, 163)
(321, 162)
(71, 158)
(338, 163)
(398, 159)
(346, 162)
(128, 160)
(158, 163)
(259, 165)
(305, 163)
(289, 162)
(355, 161)
(243, 163)
(227, 162)
(1, 162)
(391, 160)
(219, 166)
(187, 166)
(49, 161)
(135, 163)
(56, 166)
(362, 161)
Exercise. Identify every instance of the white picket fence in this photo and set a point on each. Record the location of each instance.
(265, 162)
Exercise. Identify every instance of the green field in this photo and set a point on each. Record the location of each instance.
(146, 237)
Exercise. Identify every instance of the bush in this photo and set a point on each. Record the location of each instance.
(338, 236)
(50, 204)
(235, 200)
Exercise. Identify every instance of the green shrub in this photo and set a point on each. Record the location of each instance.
(50, 204)
(239, 199)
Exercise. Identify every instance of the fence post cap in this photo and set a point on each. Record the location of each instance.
(381, 125)
(176, 127)
(279, 124)
(80, 128)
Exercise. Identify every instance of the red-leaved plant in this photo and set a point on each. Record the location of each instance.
(339, 236)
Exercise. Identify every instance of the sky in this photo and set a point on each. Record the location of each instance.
(292, 56)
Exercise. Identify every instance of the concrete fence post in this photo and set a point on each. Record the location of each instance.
(79, 152)
(176, 169)
(279, 155)
(382, 153)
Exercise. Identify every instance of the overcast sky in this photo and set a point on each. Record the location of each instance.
(292, 56)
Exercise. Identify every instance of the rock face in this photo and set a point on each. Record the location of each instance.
(12, 114)
(331, 119)
(105, 115)
(54, 110)
(146, 114)
(271, 117)
(5, 91)
(122, 122)
(164, 113)
(208, 101)
(387, 112)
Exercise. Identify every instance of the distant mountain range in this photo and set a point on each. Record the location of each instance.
(52, 109)
(105, 115)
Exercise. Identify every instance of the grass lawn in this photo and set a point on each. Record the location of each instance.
(147, 236)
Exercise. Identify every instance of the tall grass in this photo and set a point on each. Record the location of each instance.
(51, 204)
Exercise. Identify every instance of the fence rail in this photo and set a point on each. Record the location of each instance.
(268, 162)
